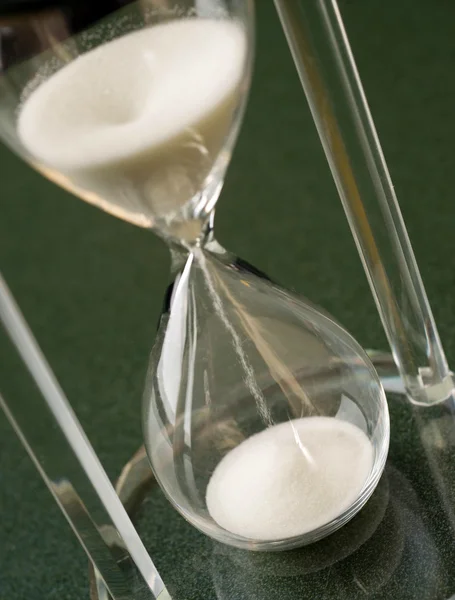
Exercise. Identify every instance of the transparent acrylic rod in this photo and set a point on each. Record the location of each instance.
(70, 468)
(325, 64)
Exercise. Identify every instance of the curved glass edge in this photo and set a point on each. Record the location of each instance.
(137, 478)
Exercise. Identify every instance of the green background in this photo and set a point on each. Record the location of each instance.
(91, 287)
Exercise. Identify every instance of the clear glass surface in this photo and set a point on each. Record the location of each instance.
(236, 355)
(136, 111)
(328, 73)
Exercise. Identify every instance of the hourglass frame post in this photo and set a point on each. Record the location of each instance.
(71, 470)
(323, 58)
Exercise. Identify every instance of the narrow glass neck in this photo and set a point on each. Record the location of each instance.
(181, 246)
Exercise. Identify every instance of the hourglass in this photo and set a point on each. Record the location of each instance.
(264, 421)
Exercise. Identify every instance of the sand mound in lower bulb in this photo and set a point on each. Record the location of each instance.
(290, 479)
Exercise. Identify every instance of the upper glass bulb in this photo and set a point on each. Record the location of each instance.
(138, 112)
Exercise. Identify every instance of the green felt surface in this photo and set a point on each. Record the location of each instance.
(91, 287)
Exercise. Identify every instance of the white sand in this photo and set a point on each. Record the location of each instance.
(139, 120)
(290, 479)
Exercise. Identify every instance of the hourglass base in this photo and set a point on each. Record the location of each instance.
(406, 523)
